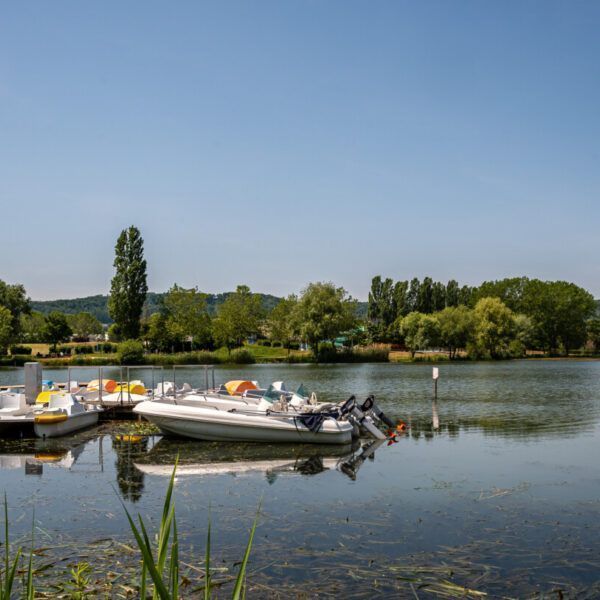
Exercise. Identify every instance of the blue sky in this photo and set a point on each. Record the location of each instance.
(277, 143)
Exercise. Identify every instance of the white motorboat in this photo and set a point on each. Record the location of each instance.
(15, 414)
(276, 398)
(210, 423)
(224, 398)
(62, 415)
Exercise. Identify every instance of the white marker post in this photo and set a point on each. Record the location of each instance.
(436, 376)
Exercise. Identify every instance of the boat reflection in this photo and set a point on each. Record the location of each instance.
(34, 454)
(136, 456)
(207, 458)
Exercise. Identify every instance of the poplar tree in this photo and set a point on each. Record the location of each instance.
(129, 286)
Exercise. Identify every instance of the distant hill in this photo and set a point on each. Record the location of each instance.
(98, 305)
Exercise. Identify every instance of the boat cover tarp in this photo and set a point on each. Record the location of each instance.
(108, 385)
(238, 387)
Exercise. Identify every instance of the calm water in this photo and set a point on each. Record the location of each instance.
(503, 497)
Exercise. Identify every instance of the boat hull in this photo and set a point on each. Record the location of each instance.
(16, 425)
(220, 426)
(71, 424)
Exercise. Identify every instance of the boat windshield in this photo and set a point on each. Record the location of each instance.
(272, 394)
(301, 391)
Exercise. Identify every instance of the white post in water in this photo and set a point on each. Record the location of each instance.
(33, 381)
(436, 376)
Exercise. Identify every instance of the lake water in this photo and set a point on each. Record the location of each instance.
(496, 487)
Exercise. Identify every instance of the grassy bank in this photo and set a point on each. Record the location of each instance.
(254, 354)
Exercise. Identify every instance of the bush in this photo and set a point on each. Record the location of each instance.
(109, 348)
(300, 358)
(22, 350)
(329, 354)
(14, 361)
(277, 344)
(131, 352)
(294, 346)
(374, 353)
(83, 349)
(242, 357)
(201, 357)
(265, 343)
(66, 350)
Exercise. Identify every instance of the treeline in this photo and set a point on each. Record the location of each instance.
(497, 318)
(97, 305)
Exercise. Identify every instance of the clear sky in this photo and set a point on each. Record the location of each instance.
(277, 143)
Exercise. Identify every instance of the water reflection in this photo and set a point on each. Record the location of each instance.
(238, 460)
(128, 449)
(32, 455)
(136, 456)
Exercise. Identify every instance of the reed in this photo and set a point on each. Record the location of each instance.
(7, 577)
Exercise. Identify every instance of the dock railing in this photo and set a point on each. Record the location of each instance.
(125, 377)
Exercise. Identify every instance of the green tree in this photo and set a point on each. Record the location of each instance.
(324, 311)
(129, 285)
(6, 329)
(419, 331)
(457, 326)
(412, 296)
(83, 325)
(238, 318)
(465, 295)
(282, 322)
(381, 311)
(524, 330)
(593, 332)
(114, 333)
(509, 290)
(14, 298)
(32, 327)
(425, 296)
(494, 328)
(131, 352)
(400, 299)
(156, 333)
(187, 316)
(56, 329)
(438, 296)
(452, 293)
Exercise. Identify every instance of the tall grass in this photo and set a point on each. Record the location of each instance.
(7, 577)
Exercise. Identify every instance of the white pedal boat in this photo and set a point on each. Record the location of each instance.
(212, 424)
(114, 394)
(15, 414)
(62, 415)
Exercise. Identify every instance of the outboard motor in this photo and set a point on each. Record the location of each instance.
(358, 417)
(350, 467)
(370, 406)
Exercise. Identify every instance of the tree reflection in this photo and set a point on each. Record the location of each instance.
(128, 449)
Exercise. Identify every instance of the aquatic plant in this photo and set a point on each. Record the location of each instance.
(7, 577)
